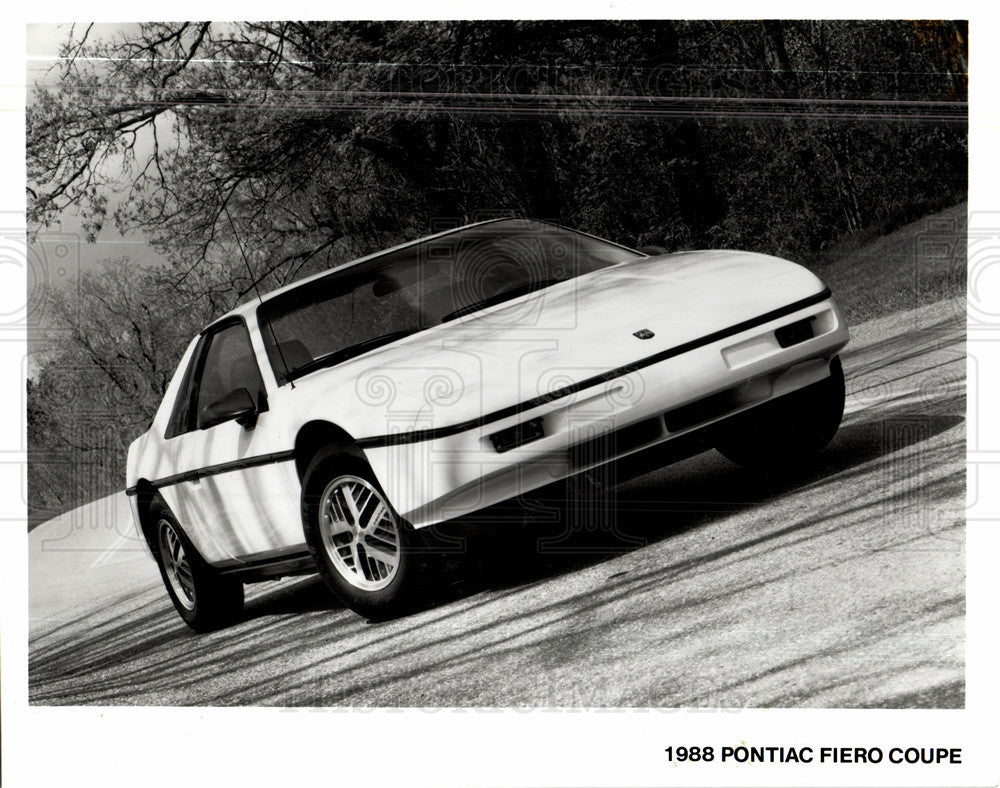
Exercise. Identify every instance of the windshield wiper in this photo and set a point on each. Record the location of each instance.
(337, 356)
(499, 298)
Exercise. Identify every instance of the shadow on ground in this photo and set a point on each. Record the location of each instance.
(141, 649)
(548, 537)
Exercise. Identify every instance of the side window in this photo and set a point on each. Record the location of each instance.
(222, 362)
(229, 364)
(180, 416)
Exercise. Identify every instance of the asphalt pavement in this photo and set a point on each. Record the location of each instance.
(839, 585)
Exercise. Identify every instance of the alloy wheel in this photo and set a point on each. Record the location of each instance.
(360, 533)
(176, 565)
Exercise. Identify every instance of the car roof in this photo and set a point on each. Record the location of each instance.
(249, 307)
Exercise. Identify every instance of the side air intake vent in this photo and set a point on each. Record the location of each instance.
(518, 435)
(796, 332)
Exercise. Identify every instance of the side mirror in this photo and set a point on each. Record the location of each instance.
(237, 404)
(653, 251)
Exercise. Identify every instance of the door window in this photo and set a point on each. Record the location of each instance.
(229, 364)
(223, 362)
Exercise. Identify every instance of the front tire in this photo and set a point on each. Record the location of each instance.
(365, 552)
(201, 597)
(785, 431)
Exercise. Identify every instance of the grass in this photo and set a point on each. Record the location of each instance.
(920, 263)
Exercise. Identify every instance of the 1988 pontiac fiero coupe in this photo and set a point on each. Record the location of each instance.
(326, 425)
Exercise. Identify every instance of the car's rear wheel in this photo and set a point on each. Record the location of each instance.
(789, 429)
(365, 552)
(203, 599)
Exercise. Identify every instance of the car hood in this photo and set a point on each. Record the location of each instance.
(535, 344)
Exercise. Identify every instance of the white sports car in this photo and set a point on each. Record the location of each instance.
(325, 425)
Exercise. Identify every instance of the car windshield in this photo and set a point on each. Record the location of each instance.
(406, 290)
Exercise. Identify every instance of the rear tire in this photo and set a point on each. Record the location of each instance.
(370, 558)
(790, 429)
(202, 598)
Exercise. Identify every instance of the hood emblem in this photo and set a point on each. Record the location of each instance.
(643, 333)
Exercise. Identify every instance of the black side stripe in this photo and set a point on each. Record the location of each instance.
(442, 432)
(222, 467)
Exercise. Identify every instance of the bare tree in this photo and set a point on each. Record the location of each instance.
(303, 144)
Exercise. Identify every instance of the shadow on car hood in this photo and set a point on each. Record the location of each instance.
(552, 338)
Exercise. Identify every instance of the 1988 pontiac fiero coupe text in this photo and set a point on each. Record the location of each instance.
(322, 427)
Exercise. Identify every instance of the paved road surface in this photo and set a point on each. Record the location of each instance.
(840, 587)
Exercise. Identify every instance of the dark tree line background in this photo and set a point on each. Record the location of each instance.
(319, 142)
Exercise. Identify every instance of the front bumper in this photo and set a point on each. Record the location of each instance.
(443, 478)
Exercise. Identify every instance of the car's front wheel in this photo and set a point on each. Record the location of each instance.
(203, 599)
(789, 429)
(365, 552)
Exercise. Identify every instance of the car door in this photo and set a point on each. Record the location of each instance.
(238, 485)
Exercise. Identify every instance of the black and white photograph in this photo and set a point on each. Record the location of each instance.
(568, 367)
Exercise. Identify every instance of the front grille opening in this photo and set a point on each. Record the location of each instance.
(518, 435)
(703, 410)
(794, 333)
(617, 442)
